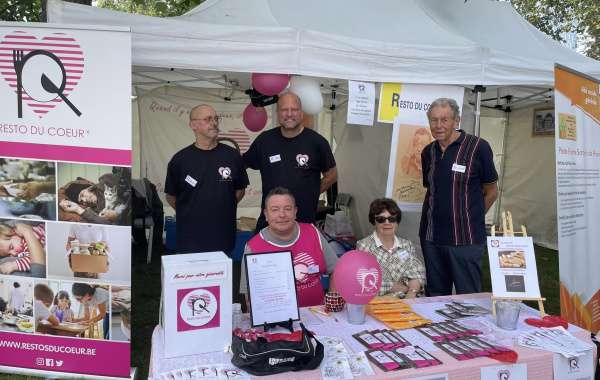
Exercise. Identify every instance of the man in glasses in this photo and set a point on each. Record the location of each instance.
(311, 255)
(293, 157)
(204, 183)
(460, 177)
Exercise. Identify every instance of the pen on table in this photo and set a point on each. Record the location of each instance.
(319, 311)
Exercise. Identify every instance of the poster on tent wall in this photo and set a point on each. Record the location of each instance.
(577, 131)
(164, 119)
(407, 105)
(65, 214)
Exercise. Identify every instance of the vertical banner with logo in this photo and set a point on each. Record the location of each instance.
(65, 186)
(577, 131)
(406, 106)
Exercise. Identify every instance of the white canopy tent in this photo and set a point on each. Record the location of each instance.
(478, 42)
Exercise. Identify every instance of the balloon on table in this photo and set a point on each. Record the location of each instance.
(254, 118)
(270, 84)
(357, 277)
(309, 92)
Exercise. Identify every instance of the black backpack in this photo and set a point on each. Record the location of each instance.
(261, 358)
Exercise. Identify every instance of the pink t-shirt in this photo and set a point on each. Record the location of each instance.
(308, 260)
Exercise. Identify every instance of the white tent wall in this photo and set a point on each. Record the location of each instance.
(529, 188)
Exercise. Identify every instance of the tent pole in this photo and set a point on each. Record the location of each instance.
(507, 110)
(478, 90)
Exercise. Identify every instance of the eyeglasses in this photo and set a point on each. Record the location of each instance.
(381, 219)
(210, 119)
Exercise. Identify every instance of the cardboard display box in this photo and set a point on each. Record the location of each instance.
(196, 303)
(89, 263)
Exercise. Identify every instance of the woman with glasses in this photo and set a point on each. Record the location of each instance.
(403, 274)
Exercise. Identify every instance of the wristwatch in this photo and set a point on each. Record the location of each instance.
(399, 294)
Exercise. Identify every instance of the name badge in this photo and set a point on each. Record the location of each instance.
(458, 168)
(312, 269)
(191, 181)
(275, 158)
(403, 255)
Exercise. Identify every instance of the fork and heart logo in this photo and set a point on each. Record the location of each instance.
(42, 72)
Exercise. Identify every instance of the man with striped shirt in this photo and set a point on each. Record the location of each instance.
(461, 182)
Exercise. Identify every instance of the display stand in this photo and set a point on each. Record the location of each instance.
(508, 230)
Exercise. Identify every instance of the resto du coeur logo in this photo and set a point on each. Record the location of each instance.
(198, 307)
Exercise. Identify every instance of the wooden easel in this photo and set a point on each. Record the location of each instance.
(508, 230)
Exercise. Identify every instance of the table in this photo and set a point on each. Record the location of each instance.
(539, 363)
(63, 329)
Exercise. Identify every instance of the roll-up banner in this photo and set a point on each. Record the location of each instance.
(65, 187)
(577, 131)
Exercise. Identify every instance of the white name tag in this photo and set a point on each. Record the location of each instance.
(275, 158)
(458, 168)
(403, 255)
(191, 181)
(312, 269)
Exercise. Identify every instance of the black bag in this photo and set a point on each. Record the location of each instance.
(262, 358)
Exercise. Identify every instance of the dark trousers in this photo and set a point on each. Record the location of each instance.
(447, 264)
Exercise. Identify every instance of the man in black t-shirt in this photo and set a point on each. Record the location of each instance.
(205, 181)
(293, 157)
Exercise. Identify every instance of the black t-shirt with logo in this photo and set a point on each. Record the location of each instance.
(204, 183)
(295, 163)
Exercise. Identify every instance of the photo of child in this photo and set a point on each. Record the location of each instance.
(27, 189)
(94, 194)
(22, 248)
(43, 297)
(77, 250)
(79, 310)
(61, 307)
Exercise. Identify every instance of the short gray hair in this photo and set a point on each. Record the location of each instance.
(445, 102)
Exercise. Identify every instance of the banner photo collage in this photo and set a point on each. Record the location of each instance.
(65, 188)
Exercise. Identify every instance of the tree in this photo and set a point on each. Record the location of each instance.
(28, 10)
(162, 8)
(20, 10)
(555, 17)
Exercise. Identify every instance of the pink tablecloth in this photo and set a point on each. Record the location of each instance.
(539, 363)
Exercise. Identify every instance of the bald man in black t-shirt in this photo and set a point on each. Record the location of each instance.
(204, 183)
(293, 157)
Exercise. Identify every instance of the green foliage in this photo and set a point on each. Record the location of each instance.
(20, 10)
(554, 17)
(162, 8)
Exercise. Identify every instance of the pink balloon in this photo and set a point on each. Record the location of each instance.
(357, 277)
(270, 84)
(254, 118)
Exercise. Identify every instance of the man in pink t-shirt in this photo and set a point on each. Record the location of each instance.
(311, 255)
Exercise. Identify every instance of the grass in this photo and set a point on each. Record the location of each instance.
(146, 298)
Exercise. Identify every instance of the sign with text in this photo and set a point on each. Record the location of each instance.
(65, 200)
(513, 267)
(407, 105)
(577, 131)
(66, 99)
(361, 103)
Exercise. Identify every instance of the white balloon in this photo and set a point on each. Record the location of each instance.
(309, 92)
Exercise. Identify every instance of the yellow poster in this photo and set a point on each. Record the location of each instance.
(389, 97)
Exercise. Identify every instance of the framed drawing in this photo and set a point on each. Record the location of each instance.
(543, 122)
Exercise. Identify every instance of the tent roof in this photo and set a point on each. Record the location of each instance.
(412, 41)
